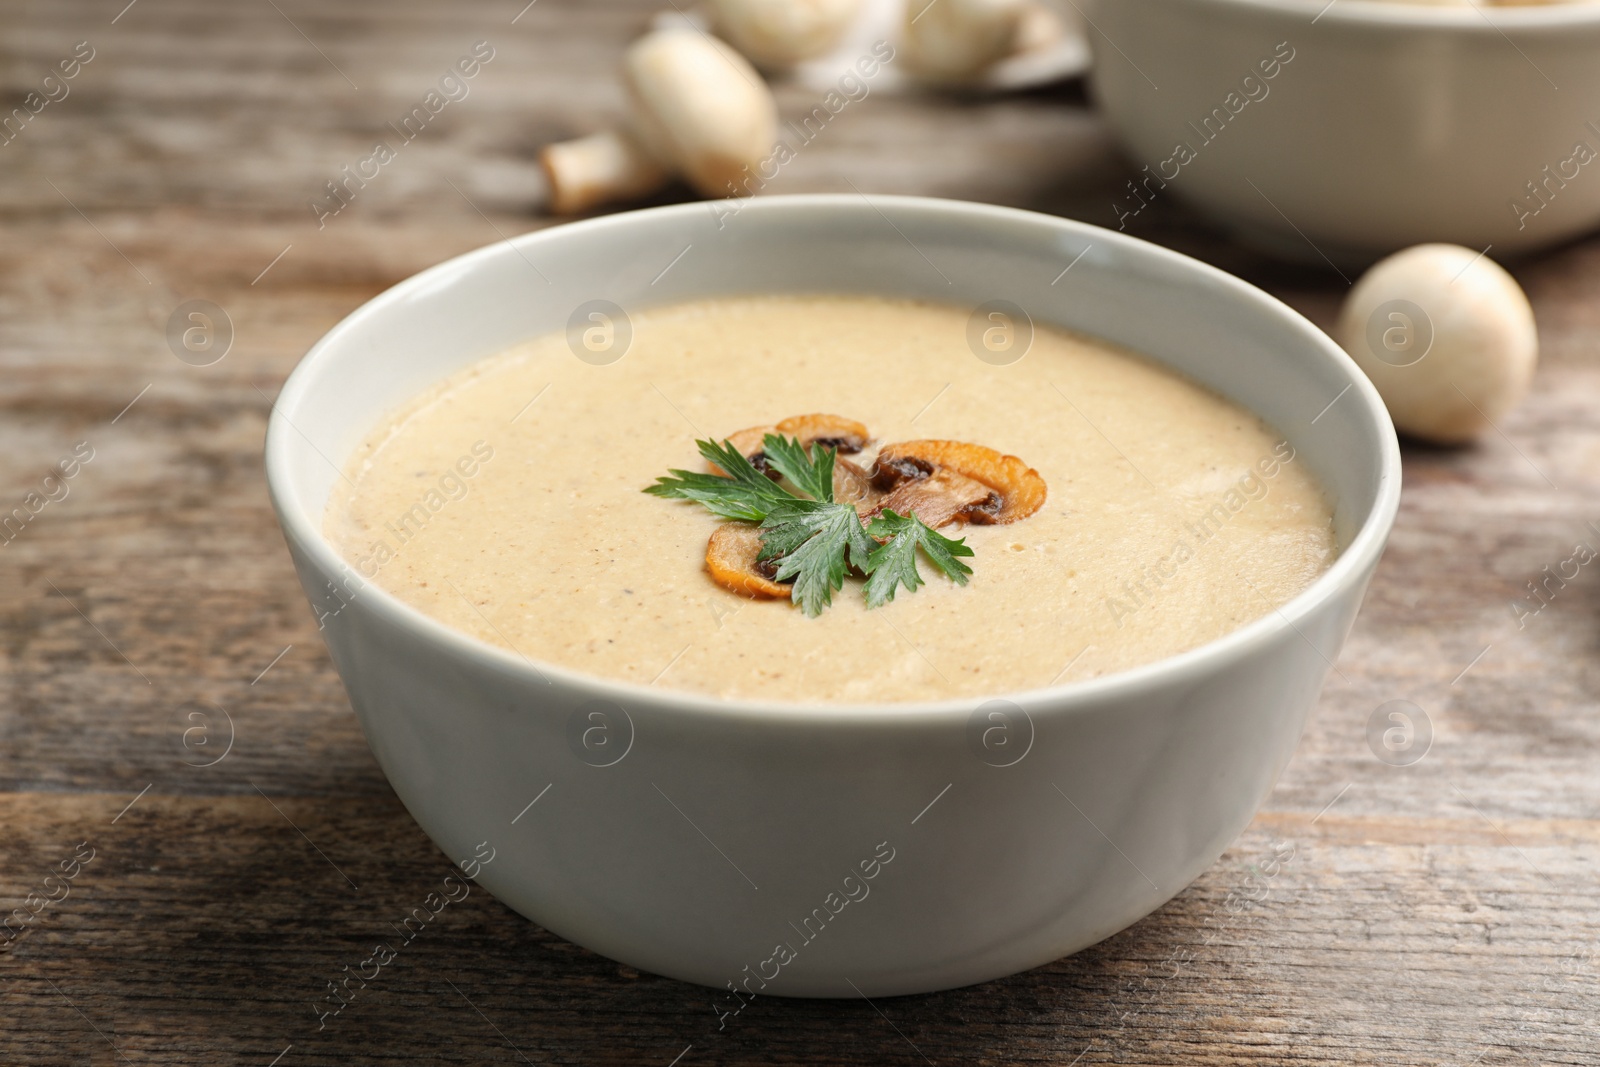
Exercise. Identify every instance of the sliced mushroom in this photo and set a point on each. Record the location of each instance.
(940, 498)
(733, 557)
(1018, 489)
(852, 485)
(830, 431)
(846, 436)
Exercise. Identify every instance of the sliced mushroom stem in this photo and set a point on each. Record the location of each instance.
(941, 498)
(852, 485)
(593, 170)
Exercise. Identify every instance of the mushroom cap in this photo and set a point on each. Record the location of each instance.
(700, 108)
(1446, 335)
(954, 40)
(776, 34)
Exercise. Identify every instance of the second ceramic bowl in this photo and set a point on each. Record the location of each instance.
(1350, 129)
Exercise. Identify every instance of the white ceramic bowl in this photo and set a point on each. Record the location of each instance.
(1393, 124)
(722, 826)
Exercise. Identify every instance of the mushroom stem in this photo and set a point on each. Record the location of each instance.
(596, 169)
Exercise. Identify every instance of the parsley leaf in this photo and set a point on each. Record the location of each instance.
(894, 563)
(808, 467)
(743, 493)
(814, 540)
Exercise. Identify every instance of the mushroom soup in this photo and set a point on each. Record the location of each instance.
(1072, 513)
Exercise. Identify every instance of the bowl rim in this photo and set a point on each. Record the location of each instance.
(1471, 18)
(1345, 576)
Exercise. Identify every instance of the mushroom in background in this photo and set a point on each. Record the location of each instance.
(1039, 29)
(699, 110)
(1446, 335)
(776, 34)
(957, 40)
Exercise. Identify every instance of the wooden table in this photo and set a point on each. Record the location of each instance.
(1443, 912)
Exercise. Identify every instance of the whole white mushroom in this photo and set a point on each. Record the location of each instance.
(1446, 335)
(698, 110)
(776, 34)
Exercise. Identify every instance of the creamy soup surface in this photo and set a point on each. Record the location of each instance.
(507, 502)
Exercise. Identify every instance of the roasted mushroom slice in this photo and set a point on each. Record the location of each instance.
(733, 559)
(845, 436)
(941, 498)
(1017, 489)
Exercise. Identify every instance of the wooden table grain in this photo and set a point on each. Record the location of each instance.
(188, 890)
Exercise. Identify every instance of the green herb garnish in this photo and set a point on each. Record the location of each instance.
(814, 539)
(743, 493)
(894, 563)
